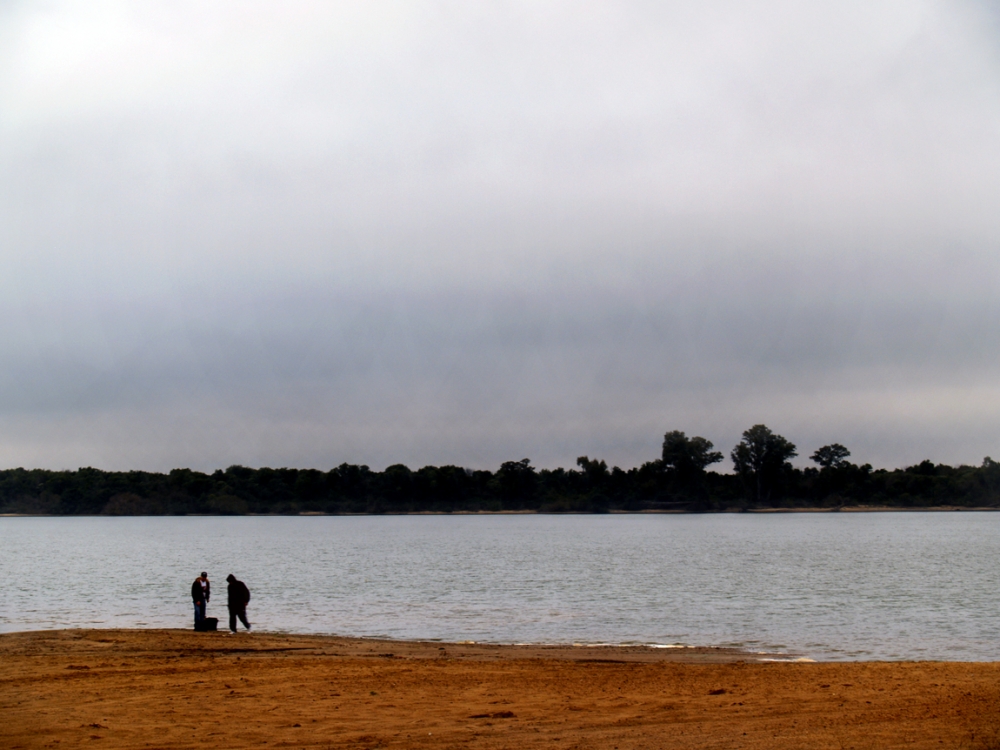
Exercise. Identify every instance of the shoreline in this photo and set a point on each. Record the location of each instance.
(764, 511)
(181, 689)
(468, 650)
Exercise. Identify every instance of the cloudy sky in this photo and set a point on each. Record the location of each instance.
(299, 234)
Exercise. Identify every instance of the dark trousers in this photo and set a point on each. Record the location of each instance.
(242, 614)
(199, 613)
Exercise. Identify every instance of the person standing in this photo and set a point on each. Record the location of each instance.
(201, 592)
(239, 598)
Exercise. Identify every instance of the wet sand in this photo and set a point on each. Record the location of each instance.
(179, 689)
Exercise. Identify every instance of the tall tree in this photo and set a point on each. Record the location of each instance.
(761, 458)
(831, 456)
(687, 457)
(595, 471)
(518, 483)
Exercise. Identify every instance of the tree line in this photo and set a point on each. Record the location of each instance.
(679, 480)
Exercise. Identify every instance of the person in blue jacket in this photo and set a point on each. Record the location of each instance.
(201, 592)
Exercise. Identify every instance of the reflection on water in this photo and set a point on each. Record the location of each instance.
(831, 586)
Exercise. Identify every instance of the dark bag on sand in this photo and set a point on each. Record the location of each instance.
(209, 624)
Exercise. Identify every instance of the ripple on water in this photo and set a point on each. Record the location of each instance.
(829, 586)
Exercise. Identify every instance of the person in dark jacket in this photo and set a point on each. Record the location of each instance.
(201, 592)
(239, 598)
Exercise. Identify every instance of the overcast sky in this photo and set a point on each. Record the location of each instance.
(299, 234)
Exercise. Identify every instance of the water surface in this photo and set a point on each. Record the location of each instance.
(829, 586)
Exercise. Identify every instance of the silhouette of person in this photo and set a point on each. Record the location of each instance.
(239, 598)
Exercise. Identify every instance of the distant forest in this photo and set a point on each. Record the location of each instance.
(679, 480)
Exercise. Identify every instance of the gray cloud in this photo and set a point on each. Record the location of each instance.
(424, 234)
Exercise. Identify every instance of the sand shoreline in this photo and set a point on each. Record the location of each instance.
(419, 649)
(180, 689)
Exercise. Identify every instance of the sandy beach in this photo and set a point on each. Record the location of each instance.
(180, 689)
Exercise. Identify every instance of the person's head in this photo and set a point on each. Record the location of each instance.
(204, 576)
(230, 578)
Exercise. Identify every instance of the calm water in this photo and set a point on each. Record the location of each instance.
(828, 586)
